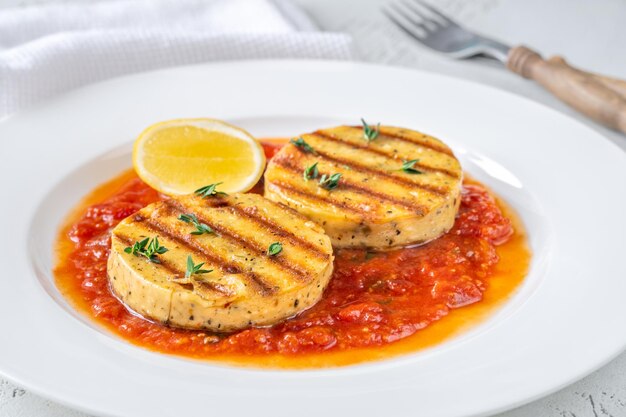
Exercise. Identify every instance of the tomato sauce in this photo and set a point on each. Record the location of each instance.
(376, 305)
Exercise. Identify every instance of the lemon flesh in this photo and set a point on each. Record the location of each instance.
(180, 156)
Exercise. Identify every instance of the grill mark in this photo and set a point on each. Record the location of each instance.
(213, 287)
(418, 209)
(424, 144)
(293, 190)
(255, 280)
(164, 263)
(172, 269)
(232, 204)
(276, 228)
(367, 191)
(418, 142)
(380, 152)
(289, 236)
(174, 208)
(355, 166)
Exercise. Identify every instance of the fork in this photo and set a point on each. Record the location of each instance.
(599, 97)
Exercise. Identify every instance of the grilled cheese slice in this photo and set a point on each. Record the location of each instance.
(376, 204)
(247, 286)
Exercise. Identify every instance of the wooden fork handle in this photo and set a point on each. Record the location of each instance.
(601, 98)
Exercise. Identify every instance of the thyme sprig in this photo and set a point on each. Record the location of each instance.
(300, 143)
(193, 269)
(407, 167)
(330, 182)
(370, 133)
(201, 228)
(311, 172)
(150, 248)
(209, 190)
(274, 249)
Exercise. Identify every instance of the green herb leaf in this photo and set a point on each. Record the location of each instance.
(370, 133)
(300, 143)
(188, 218)
(407, 167)
(311, 172)
(137, 247)
(209, 190)
(195, 269)
(201, 228)
(147, 247)
(274, 249)
(330, 182)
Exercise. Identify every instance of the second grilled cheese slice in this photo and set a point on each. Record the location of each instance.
(246, 287)
(376, 204)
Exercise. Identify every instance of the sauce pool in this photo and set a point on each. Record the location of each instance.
(377, 305)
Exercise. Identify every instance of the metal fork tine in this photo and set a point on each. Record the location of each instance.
(425, 18)
(436, 12)
(436, 31)
(397, 16)
(405, 11)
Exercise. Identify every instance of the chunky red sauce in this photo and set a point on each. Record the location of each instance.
(373, 299)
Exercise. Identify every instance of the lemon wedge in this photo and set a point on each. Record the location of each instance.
(179, 156)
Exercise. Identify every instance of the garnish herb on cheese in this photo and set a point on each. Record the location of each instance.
(147, 247)
(274, 249)
(201, 228)
(195, 269)
(300, 143)
(311, 172)
(407, 167)
(209, 190)
(330, 182)
(370, 133)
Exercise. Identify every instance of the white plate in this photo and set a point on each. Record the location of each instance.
(566, 181)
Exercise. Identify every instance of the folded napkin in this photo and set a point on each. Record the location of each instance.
(46, 50)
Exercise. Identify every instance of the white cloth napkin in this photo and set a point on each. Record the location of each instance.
(46, 50)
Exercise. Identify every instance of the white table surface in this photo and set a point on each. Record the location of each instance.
(591, 34)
